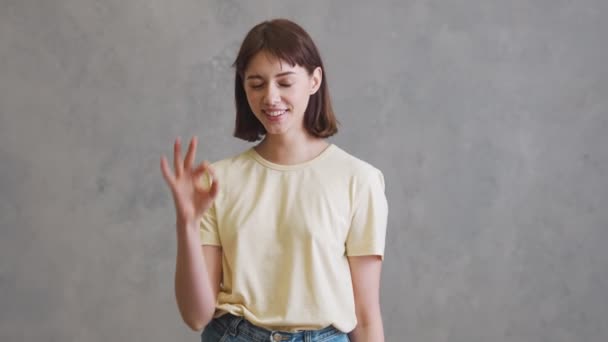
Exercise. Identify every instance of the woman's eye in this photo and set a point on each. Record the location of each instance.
(285, 85)
(256, 86)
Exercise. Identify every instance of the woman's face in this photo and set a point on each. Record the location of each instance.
(278, 93)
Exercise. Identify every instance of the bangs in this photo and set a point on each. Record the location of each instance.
(285, 45)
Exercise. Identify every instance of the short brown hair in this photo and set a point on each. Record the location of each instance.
(289, 42)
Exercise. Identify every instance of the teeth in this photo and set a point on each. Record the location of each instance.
(275, 113)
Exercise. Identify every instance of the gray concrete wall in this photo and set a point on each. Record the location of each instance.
(489, 119)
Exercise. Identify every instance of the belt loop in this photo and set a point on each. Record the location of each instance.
(307, 336)
(234, 323)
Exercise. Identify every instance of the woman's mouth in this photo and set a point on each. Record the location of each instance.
(275, 114)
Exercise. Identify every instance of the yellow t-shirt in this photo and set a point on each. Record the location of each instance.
(285, 232)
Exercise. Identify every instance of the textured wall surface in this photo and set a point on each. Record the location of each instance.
(488, 118)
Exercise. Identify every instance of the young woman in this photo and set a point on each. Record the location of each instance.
(293, 239)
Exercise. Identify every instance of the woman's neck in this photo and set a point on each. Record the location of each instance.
(280, 149)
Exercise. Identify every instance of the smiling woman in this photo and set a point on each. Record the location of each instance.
(278, 61)
(278, 92)
(293, 240)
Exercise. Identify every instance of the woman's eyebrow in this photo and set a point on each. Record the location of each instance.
(256, 76)
(285, 73)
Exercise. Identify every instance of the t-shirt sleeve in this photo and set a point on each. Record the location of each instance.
(367, 233)
(208, 228)
(208, 223)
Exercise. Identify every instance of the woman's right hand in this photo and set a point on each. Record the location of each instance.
(190, 197)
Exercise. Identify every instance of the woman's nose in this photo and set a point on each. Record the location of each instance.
(271, 95)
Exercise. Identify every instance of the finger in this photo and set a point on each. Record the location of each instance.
(197, 176)
(211, 171)
(164, 167)
(177, 158)
(198, 172)
(190, 154)
(215, 184)
(215, 187)
(200, 169)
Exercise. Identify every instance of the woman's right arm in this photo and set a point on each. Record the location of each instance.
(198, 274)
(198, 269)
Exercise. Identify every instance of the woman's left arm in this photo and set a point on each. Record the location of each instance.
(365, 274)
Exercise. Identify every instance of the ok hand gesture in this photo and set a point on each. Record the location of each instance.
(190, 197)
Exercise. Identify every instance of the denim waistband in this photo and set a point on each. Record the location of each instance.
(239, 325)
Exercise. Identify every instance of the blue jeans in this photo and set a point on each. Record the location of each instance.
(231, 328)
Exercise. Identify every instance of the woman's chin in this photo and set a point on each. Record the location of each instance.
(275, 132)
(274, 129)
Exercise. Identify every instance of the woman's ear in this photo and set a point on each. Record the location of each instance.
(316, 78)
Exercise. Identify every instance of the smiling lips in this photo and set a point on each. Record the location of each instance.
(274, 114)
